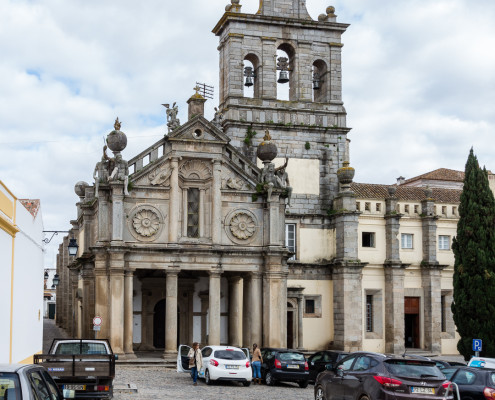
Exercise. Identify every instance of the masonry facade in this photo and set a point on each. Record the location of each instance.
(218, 234)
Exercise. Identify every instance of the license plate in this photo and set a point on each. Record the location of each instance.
(422, 390)
(290, 366)
(232, 366)
(75, 387)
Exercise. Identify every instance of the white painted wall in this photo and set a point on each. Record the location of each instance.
(5, 275)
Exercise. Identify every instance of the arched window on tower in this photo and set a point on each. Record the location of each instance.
(321, 82)
(251, 73)
(286, 81)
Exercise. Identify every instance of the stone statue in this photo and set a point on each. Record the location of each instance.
(218, 118)
(283, 179)
(121, 172)
(172, 120)
(268, 179)
(101, 172)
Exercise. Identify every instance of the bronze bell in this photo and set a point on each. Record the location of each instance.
(283, 77)
(249, 74)
(316, 81)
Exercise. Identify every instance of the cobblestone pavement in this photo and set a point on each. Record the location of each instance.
(156, 383)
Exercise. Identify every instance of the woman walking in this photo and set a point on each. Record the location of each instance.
(195, 361)
(256, 364)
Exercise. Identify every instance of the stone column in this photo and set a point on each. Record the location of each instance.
(275, 308)
(235, 311)
(216, 217)
(174, 202)
(267, 71)
(73, 300)
(214, 311)
(394, 278)
(102, 292)
(429, 229)
(117, 213)
(204, 313)
(103, 218)
(88, 301)
(129, 314)
(300, 333)
(171, 312)
(335, 75)
(117, 302)
(247, 312)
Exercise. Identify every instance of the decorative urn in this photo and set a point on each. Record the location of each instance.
(345, 174)
(117, 140)
(267, 150)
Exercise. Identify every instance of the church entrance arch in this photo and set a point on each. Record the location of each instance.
(159, 325)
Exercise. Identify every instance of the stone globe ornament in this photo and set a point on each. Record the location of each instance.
(117, 140)
(267, 151)
(345, 174)
(80, 188)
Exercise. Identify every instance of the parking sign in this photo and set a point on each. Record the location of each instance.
(477, 344)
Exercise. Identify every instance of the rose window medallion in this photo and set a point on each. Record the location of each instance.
(146, 223)
(242, 226)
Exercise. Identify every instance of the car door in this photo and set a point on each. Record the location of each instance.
(315, 365)
(40, 389)
(182, 359)
(467, 382)
(206, 352)
(334, 388)
(354, 381)
(247, 353)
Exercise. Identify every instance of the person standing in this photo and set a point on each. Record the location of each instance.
(256, 364)
(195, 361)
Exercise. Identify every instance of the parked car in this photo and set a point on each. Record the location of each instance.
(284, 365)
(86, 366)
(365, 376)
(439, 363)
(482, 362)
(28, 382)
(318, 361)
(475, 383)
(220, 363)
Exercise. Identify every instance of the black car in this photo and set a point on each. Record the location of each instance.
(317, 362)
(475, 383)
(365, 376)
(284, 365)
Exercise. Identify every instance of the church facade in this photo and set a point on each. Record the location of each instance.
(249, 228)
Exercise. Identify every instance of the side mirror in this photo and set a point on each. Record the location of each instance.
(340, 371)
(116, 357)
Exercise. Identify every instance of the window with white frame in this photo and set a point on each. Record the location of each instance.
(290, 239)
(443, 242)
(407, 241)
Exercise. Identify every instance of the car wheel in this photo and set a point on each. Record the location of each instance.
(246, 384)
(319, 394)
(270, 381)
(207, 378)
(364, 398)
(303, 384)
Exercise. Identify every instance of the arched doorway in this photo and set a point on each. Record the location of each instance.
(291, 312)
(159, 325)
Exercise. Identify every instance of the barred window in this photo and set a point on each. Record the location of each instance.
(193, 213)
(369, 313)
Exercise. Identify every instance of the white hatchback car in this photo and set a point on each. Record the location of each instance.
(220, 363)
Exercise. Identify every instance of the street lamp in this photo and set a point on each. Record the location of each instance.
(73, 246)
(56, 280)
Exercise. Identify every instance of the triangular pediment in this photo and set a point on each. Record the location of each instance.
(156, 174)
(199, 129)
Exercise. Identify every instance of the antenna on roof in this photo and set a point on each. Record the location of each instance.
(205, 90)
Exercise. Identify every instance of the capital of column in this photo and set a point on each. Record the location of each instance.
(215, 273)
(129, 272)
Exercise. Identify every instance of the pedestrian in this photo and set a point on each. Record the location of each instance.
(256, 364)
(195, 361)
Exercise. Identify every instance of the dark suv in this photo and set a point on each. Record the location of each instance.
(284, 365)
(365, 376)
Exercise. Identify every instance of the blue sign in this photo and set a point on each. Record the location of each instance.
(477, 344)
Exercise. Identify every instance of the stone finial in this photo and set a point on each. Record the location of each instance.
(267, 137)
(117, 124)
(345, 176)
(80, 188)
(284, 8)
(196, 104)
(428, 192)
(391, 190)
(267, 150)
(329, 16)
(117, 140)
(235, 6)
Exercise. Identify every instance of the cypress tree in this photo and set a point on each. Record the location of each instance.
(474, 269)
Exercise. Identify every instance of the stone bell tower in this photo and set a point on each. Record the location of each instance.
(310, 127)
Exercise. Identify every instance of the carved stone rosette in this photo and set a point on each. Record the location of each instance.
(145, 222)
(241, 226)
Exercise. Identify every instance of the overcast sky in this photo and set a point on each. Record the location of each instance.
(418, 85)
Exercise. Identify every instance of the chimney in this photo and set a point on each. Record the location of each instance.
(400, 180)
(196, 105)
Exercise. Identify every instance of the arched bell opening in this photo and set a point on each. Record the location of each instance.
(252, 76)
(320, 82)
(286, 78)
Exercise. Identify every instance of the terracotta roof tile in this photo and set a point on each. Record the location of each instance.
(33, 206)
(441, 174)
(405, 193)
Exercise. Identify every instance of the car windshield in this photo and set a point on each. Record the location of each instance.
(291, 357)
(413, 369)
(81, 348)
(229, 355)
(9, 386)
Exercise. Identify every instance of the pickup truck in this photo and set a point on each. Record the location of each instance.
(83, 366)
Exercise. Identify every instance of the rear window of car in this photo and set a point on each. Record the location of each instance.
(78, 348)
(492, 378)
(291, 357)
(413, 369)
(9, 386)
(229, 355)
